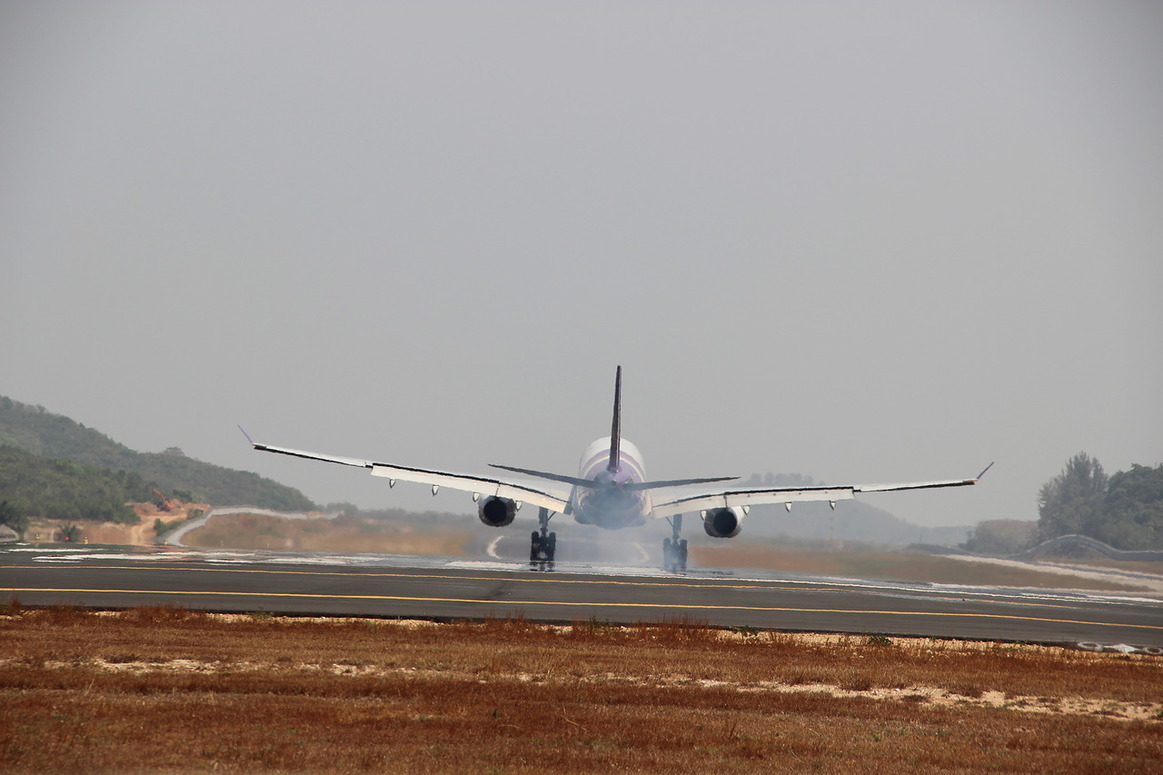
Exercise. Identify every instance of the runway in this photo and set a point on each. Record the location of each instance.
(445, 588)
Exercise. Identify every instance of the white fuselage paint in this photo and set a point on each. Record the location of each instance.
(608, 504)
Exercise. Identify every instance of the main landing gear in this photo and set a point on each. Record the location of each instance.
(674, 548)
(544, 544)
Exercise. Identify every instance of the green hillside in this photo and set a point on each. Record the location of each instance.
(55, 437)
(31, 485)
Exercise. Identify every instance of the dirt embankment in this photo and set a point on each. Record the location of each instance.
(318, 532)
(141, 534)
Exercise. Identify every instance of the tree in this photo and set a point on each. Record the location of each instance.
(1072, 502)
(13, 517)
(1001, 536)
(1133, 509)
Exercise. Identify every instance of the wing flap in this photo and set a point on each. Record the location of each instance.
(475, 484)
(913, 485)
(345, 461)
(748, 498)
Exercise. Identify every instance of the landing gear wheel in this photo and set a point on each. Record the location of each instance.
(674, 549)
(542, 544)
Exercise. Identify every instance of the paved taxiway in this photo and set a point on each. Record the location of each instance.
(378, 585)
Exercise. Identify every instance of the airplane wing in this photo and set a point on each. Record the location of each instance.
(477, 485)
(745, 499)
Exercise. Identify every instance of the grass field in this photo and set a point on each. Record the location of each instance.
(166, 690)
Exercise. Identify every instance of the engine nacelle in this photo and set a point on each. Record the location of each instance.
(722, 523)
(496, 512)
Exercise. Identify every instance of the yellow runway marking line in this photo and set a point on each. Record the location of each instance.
(578, 604)
(443, 577)
(773, 584)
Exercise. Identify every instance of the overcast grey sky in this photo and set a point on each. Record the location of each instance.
(865, 242)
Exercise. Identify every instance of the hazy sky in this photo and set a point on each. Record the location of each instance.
(864, 242)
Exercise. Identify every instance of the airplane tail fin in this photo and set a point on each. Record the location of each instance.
(616, 427)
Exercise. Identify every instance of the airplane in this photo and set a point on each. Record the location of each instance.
(611, 491)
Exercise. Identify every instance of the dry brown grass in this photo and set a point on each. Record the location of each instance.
(162, 689)
(1135, 566)
(346, 534)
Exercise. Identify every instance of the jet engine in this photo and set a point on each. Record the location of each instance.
(496, 512)
(722, 523)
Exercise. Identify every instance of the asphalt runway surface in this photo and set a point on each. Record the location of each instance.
(449, 589)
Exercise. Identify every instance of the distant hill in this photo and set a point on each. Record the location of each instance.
(53, 436)
(853, 520)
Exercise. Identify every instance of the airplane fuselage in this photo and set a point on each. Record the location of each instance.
(609, 504)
